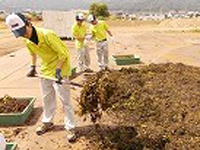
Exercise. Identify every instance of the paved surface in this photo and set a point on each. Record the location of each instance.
(13, 80)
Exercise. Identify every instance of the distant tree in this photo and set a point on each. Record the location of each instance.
(99, 9)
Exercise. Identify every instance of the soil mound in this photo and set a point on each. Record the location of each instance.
(154, 107)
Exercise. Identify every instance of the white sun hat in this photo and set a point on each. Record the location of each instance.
(80, 17)
(91, 18)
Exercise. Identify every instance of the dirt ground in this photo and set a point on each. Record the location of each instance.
(153, 106)
(152, 43)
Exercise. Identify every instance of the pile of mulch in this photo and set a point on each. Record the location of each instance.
(151, 107)
(9, 104)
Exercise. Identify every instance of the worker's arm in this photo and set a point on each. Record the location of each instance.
(32, 72)
(93, 35)
(60, 64)
(109, 33)
(76, 35)
(106, 27)
(80, 39)
(33, 59)
(59, 47)
(90, 35)
(33, 56)
(62, 51)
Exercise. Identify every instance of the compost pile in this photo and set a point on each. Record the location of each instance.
(152, 107)
(12, 105)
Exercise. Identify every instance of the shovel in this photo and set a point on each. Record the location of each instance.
(62, 81)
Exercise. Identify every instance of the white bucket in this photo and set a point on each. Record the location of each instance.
(2, 142)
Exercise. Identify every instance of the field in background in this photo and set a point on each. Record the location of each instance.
(8, 43)
(2, 25)
(126, 23)
(140, 37)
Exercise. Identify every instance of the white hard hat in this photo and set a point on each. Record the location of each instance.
(80, 17)
(2, 142)
(91, 18)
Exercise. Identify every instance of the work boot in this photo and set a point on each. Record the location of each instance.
(44, 128)
(71, 136)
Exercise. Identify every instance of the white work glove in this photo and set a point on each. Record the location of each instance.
(86, 42)
(88, 37)
(112, 39)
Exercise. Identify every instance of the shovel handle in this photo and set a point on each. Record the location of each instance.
(61, 81)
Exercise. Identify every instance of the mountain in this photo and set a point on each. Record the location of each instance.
(126, 5)
(155, 5)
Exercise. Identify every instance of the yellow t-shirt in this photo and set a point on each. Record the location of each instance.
(79, 31)
(99, 30)
(50, 49)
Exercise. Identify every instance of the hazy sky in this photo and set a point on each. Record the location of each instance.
(132, 5)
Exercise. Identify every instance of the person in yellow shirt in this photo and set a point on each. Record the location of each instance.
(79, 30)
(55, 63)
(99, 30)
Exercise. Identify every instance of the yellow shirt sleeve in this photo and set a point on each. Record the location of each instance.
(57, 45)
(79, 31)
(29, 47)
(74, 32)
(99, 31)
(92, 32)
(106, 27)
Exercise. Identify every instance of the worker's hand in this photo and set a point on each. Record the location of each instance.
(32, 72)
(81, 39)
(86, 42)
(88, 37)
(58, 76)
(112, 39)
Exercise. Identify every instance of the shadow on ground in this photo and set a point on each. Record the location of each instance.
(118, 137)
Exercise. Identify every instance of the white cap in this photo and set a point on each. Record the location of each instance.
(17, 23)
(80, 17)
(91, 18)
